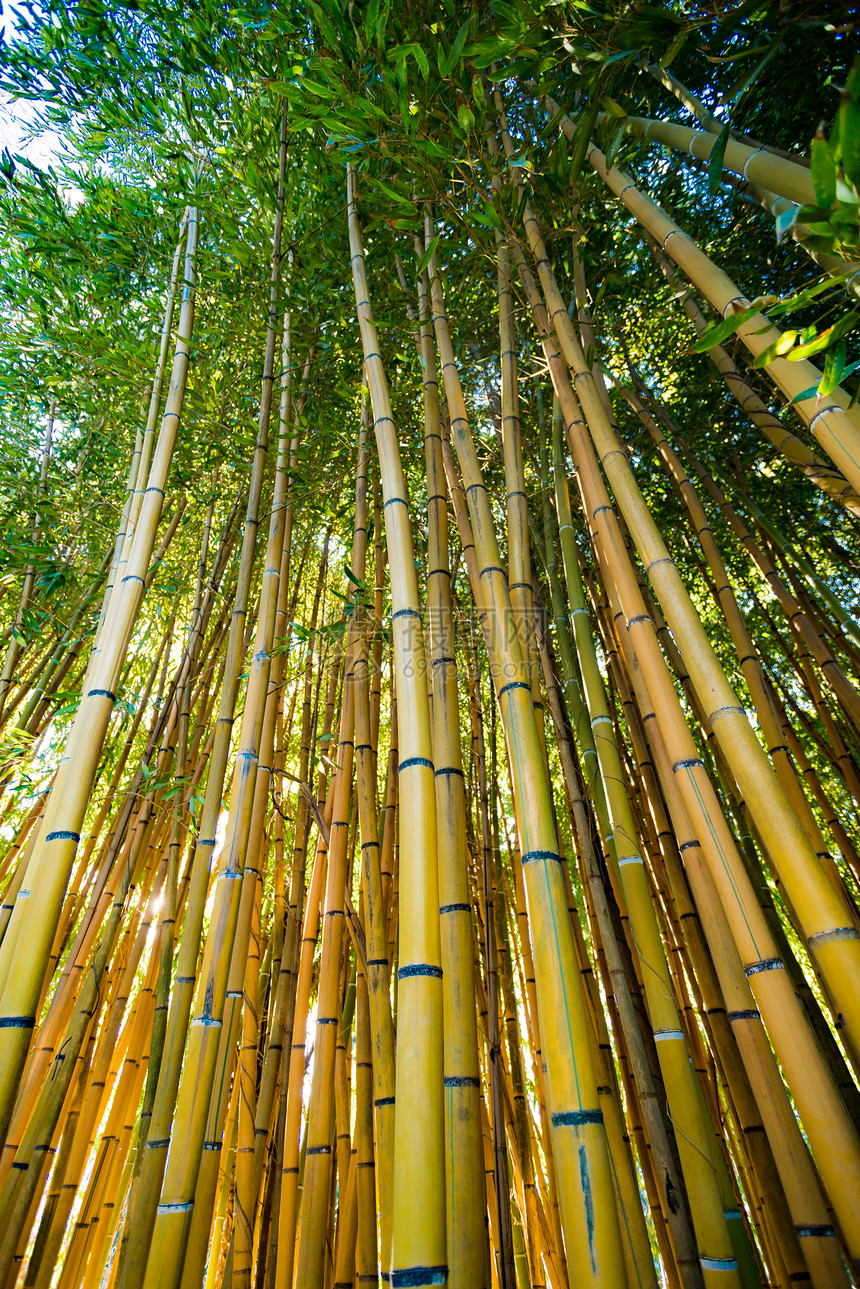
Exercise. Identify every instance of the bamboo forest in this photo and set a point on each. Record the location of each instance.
(430, 644)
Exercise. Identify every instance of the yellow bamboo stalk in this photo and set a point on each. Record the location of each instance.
(670, 1196)
(290, 1156)
(579, 1144)
(489, 990)
(377, 980)
(67, 1179)
(788, 444)
(835, 425)
(107, 1164)
(151, 1160)
(694, 1139)
(831, 671)
(418, 1250)
(141, 456)
(519, 555)
(177, 1202)
(835, 945)
(765, 169)
(809, 1080)
(749, 659)
(318, 1177)
(281, 1029)
(797, 1176)
(115, 1179)
(833, 264)
(225, 1175)
(173, 1216)
(366, 1257)
(49, 1034)
(52, 860)
(245, 1195)
(534, 1218)
(22, 1184)
(226, 1079)
(247, 1170)
(711, 123)
(466, 1221)
(296, 1031)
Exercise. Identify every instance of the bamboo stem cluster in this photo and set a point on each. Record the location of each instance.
(498, 932)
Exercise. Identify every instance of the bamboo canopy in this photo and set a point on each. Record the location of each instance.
(430, 661)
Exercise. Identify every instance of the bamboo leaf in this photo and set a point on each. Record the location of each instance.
(610, 106)
(421, 60)
(451, 60)
(823, 172)
(674, 49)
(849, 139)
(424, 262)
(775, 350)
(715, 161)
(466, 116)
(812, 390)
(582, 138)
(393, 193)
(834, 369)
(825, 338)
(809, 392)
(721, 331)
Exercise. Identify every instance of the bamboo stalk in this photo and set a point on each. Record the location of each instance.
(53, 858)
(418, 1236)
(834, 425)
(748, 926)
(580, 1152)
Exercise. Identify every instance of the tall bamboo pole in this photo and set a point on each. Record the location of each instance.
(579, 1144)
(835, 424)
(51, 863)
(418, 1241)
(466, 1218)
(809, 1081)
(798, 866)
(319, 1174)
(822, 474)
(177, 1193)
